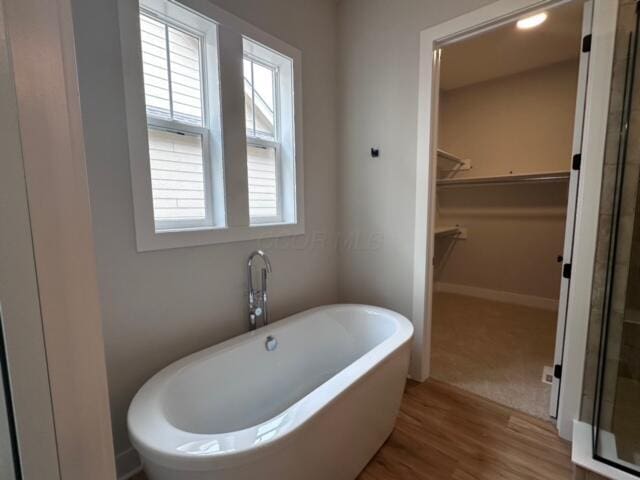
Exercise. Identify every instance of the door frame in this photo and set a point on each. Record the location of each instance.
(29, 394)
(57, 215)
(595, 123)
(574, 188)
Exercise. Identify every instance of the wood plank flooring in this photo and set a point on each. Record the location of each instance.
(444, 433)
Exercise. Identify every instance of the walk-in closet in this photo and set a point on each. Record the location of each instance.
(506, 129)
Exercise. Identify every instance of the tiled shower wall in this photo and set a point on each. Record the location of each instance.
(630, 354)
(622, 355)
(630, 350)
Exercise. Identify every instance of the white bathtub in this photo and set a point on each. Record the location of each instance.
(319, 406)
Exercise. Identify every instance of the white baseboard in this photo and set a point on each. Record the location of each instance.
(499, 296)
(128, 464)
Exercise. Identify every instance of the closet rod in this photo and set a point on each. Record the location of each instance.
(547, 177)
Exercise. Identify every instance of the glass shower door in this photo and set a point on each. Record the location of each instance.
(616, 413)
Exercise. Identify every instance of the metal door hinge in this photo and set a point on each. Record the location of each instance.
(586, 43)
(577, 161)
(566, 270)
(557, 371)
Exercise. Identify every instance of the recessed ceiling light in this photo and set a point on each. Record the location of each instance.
(532, 21)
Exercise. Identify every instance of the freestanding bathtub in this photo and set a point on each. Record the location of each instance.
(313, 397)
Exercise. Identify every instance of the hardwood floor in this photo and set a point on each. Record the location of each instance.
(444, 433)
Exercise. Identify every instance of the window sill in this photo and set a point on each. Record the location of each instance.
(168, 239)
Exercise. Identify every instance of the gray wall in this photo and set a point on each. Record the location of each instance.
(378, 85)
(160, 306)
(520, 123)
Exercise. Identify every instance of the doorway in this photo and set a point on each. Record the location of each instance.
(599, 61)
(506, 129)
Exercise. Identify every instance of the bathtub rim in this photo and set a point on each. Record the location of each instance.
(147, 405)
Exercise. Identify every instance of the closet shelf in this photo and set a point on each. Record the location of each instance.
(450, 156)
(542, 177)
(446, 231)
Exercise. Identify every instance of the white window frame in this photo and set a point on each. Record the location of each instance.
(276, 93)
(231, 220)
(259, 141)
(284, 139)
(183, 128)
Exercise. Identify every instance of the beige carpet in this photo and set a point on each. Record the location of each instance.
(496, 350)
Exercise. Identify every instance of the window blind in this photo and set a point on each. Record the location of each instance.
(172, 72)
(171, 61)
(263, 185)
(177, 176)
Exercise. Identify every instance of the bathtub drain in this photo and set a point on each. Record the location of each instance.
(271, 343)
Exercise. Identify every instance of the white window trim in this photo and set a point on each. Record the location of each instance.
(276, 143)
(263, 55)
(231, 223)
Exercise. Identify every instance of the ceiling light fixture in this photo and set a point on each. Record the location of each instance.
(532, 21)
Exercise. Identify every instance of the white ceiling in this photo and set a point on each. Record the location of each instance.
(507, 50)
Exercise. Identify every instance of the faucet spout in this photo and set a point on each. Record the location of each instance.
(258, 304)
(261, 254)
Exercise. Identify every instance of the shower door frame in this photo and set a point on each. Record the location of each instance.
(611, 278)
(588, 200)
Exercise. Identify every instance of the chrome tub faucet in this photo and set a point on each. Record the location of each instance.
(258, 304)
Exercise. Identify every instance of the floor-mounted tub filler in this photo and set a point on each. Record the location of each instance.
(313, 396)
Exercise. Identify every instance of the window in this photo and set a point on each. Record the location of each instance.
(178, 138)
(260, 92)
(270, 148)
(171, 60)
(197, 178)
(262, 142)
